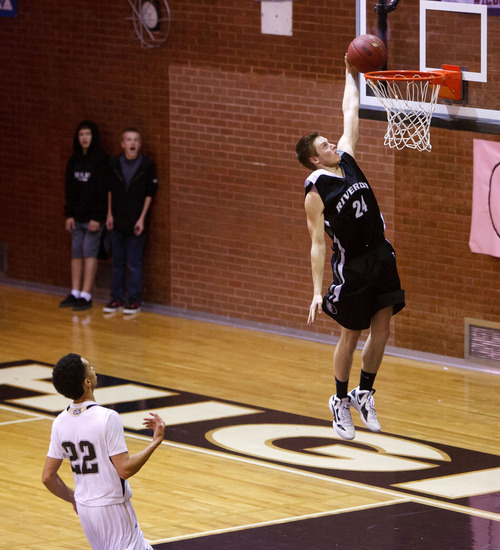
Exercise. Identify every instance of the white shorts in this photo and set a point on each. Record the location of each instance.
(113, 527)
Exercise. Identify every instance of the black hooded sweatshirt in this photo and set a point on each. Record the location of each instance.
(86, 175)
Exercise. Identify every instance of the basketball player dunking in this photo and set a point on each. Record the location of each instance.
(366, 290)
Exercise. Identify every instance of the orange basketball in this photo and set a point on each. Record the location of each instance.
(367, 53)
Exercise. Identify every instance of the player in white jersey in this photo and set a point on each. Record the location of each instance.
(92, 438)
(366, 290)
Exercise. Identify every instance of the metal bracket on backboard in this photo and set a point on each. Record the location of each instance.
(382, 7)
(451, 88)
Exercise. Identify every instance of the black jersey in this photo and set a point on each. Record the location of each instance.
(352, 215)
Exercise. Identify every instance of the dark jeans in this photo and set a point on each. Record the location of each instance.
(127, 251)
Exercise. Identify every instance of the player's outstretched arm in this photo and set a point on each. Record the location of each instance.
(127, 465)
(350, 109)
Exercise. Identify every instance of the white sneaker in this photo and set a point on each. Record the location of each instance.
(364, 403)
(342, 420)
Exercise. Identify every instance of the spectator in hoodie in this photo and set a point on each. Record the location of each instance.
(85, 210)
(132, 185)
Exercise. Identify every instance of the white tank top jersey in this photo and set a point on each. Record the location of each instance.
(88, 435)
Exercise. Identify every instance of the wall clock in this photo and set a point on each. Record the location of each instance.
(151, 14)
(152, 20)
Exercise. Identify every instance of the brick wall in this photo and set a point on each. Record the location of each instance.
(240, 246)
(220, 107)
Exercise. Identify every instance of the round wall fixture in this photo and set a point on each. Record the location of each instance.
(152, 21)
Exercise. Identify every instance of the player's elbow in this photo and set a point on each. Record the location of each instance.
(123, 468)
(124, 474)
(47, 479)
(318, 249)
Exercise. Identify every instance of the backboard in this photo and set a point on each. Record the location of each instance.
(427, 34)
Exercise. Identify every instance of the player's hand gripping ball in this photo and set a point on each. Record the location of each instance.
(367, 53)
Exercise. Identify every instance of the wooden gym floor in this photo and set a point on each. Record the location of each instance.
(250, 460)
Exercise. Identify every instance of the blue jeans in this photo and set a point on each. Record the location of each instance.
(127, 251)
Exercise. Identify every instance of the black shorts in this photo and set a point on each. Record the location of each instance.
(363, 285)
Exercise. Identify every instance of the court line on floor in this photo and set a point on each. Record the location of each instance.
(34, 416)
(338, 481)
(397, 495)
(280, 521)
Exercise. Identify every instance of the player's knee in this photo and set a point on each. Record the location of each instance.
(380, 333)
(349, 340)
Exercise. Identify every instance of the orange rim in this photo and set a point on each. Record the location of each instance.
(399, 76)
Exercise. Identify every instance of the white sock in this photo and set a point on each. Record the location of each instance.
(76, 293)
(86, 295)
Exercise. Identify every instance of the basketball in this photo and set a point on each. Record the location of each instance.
(367, 53)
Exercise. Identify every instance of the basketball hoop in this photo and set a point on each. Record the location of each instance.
(410, 98)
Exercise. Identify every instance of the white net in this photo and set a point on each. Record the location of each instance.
(410, 102)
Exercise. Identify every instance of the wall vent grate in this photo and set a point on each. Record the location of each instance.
(482, 341)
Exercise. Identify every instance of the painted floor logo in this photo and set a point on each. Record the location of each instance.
(309, 444)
